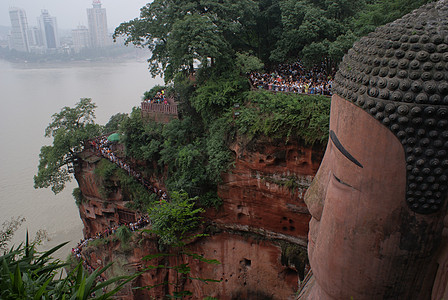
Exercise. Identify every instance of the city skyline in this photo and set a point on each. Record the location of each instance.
(44, 38)
(72, 13)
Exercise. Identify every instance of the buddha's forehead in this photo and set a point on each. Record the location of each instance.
(399, 75)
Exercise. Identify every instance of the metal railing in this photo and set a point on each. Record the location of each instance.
(170, 109)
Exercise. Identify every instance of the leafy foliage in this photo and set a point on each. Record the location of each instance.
(172, 220)
(180, 33)
(77, 194)
(133, 191)
(285, 115)
(124, 234)
(141, 140)
(114, 122)
(181, 150)
(152, 92)
(246, 62)
(7, 231)
(219, 155)
(218, 93)
(210, 199)
(381, 12)
(69, 129)
(28, 274)
(307, 21)
(105, 169)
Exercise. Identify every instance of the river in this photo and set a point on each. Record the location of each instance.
(30, 94)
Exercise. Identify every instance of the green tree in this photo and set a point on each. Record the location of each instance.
(194, 38)
(114, 122)
(268, 28)
(217, 93)
(305, 22)
(175, 223)
(285, 116)
(152, 92)
(247, 62)
(69, 129)
(380, 12)
(133, 137)
(124, 234)
(173, 220)
(178, 32)
(315, 52)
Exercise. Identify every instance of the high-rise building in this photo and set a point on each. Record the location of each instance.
(97, 20)
(48, 27)
(18, 39)
(35, 37)
(81, 38)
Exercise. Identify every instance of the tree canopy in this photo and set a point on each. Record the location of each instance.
(182, 33)
(69, 129)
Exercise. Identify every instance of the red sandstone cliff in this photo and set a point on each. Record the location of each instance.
(100, 209)
(264, 191)
(259, 234)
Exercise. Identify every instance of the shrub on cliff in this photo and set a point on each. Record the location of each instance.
(175, 223)
(284, 115)
(79, 197)
(218, 92)
(172, 221)
(190, 157)
(124, 235)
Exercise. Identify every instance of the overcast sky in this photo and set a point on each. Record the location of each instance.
(71, 13)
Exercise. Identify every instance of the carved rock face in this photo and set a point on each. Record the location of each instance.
(399, 75)
(379, 197)
(356, 203)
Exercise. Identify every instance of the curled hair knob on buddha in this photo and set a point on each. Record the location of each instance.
(378, 200)
(403, 67)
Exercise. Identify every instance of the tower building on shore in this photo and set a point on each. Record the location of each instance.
(18, 39)
(97, 21)
(49, 29)
(81, 38)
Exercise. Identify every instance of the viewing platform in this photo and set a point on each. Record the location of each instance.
(170, 109)
(160, 112)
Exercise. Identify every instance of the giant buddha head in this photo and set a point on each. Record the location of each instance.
(379, 197)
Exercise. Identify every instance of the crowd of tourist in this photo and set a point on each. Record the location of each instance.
(132, 226)
(160, 98)
(295, 78)
(103, 148)
(142, 222)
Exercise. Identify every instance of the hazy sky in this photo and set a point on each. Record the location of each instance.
(71, 13)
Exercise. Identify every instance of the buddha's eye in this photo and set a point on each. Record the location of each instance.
(344, 151)
(342, 182)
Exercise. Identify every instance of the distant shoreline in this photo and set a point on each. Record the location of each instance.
(111, 54)
(68, 63)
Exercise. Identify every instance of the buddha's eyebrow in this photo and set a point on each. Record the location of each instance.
(341, 148)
